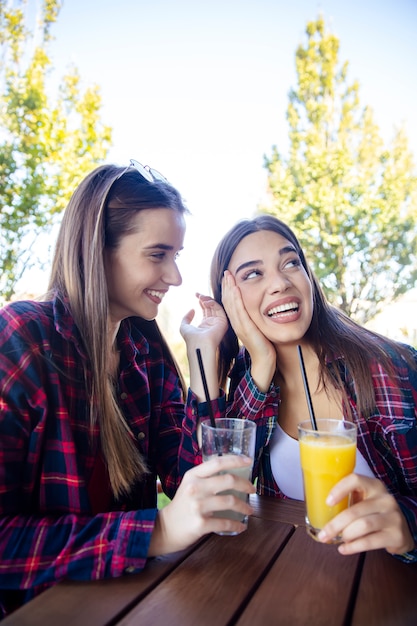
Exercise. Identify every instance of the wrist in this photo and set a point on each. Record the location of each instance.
(262, 377)
(157, 543)
(208, 358)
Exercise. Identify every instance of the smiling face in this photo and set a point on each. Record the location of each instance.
(275, 287)
(140, 270)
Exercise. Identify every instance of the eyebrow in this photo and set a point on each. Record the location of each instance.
(281, 251)
(159, 246)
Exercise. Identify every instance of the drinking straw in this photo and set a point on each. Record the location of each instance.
(306, 389)
(209, 407)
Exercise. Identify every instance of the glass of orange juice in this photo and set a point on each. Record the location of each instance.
(327, 455)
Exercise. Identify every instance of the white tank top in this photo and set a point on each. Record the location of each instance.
(286, 468)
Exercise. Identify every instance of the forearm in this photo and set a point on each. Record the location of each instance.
(208, 359)
(262, 371)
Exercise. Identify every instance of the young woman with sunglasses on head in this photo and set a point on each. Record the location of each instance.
(92, 407)
(273, 304)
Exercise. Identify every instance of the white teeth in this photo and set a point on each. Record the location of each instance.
(156, 294)
(290, 306)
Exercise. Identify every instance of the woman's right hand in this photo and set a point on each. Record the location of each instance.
(261, 350)
(189, 515)
(373, 521)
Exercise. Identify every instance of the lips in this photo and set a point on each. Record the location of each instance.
(155, 294)
(290, 306)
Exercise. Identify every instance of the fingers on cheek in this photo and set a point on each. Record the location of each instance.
(226, 303)
(230, 302)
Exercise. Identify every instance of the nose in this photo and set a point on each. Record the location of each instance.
(279, 282)
(172, 275)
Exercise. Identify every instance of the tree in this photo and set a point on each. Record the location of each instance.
(46, 145)
(351, 200)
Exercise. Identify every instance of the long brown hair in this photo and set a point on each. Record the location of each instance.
(100, 213)
(331, 332)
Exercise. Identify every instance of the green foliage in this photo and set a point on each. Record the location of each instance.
(163, 500)
(46, 145)
(351, 200)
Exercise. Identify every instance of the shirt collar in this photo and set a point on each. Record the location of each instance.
(130, 339)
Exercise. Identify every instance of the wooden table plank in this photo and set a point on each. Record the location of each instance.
(306, 568)
(279, 510)
(393, 600)
(271, 574)
(201, 596)
(97, 603)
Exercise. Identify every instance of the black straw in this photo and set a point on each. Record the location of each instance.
(306, 389)
(209, 407)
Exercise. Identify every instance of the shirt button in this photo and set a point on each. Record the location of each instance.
(141, 436)
(123, 395)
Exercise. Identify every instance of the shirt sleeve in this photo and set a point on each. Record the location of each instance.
(396, 438)
(36, 550)
(43, 549)
(409, 509)
(408, 504)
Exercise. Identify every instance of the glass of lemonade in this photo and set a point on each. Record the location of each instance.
(327, 455)
(230, 436)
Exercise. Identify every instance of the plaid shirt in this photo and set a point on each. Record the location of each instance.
(48, 452)
(387, 438)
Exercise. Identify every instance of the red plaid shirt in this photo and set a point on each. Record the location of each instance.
(48, 530)
(387, 438)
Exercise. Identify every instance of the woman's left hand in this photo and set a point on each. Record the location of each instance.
(206, 337)
(373, 521)
(212, 327)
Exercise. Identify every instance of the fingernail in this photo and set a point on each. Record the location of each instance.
(322, 536)
(330, 500)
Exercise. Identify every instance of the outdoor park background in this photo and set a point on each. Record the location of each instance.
(199, 90)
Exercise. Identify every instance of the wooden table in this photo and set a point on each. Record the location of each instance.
(273, 573)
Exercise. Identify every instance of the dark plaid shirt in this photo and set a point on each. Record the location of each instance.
(387, 438)
(48, 530)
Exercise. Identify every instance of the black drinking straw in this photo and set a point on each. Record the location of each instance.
(209, 407)
(306, 389)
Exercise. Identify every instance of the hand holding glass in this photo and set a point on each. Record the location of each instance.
(230, 436)
(327, 455)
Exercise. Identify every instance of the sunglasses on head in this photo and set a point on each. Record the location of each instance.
(148, 173)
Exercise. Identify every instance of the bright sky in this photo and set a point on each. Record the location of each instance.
(199, 90)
